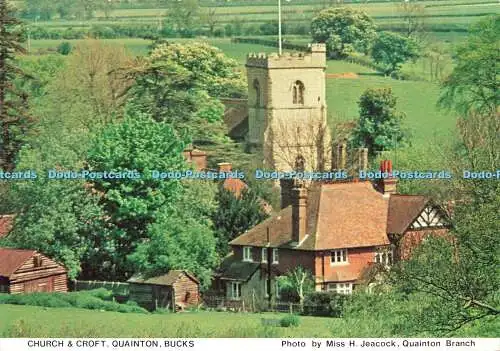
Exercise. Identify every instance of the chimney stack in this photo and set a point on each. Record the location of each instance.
(388, 185)
(286, 186)
(199, 159)
(225, 167)
(299, 214)
(341, 156)
(362, 159)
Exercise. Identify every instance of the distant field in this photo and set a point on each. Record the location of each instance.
(140, 46)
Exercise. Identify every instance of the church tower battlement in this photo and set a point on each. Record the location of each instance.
(287, 109)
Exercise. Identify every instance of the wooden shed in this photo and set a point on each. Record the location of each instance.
(176, 288)
(27, 271)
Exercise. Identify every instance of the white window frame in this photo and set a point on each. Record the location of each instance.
(340, 288)
(384, 256)
(339, 257)
(235, 287)
(276, 256)
(247, 254)
(265, 287)
(264, 255)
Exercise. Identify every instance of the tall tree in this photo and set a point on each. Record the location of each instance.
(137, 143)
(379, 127)
(392, 50)
(473, 86)
(14, 119)
(344, 30)
(235, 215)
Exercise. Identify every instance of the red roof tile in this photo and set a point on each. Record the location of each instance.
(340, 215)
(12, 259)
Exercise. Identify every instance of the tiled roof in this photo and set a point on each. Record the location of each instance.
(340, 215)
(12, 259)
(403, 209)
(6, 222)
(233, 269)
(166, 279)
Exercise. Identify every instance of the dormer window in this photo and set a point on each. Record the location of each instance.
(338, 257)
(298, 93)
(247, 254)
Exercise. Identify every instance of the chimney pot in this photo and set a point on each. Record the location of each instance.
(388, 186)
(225, 167)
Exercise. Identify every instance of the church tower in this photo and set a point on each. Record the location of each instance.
(287, 109)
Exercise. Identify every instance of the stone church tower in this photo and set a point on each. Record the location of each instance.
(287, 109)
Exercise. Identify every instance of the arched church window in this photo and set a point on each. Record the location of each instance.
(298, 93)
(258, 95)
(300, 163)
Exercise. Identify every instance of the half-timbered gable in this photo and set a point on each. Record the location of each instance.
(432, 217)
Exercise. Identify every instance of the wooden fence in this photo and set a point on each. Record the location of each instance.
(224, 304)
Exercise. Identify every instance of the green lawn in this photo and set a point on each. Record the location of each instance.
(29, 321)
(416, 99)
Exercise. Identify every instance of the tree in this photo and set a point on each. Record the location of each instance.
(135, 144)
(379, 127)
(235, 215)
(93, 82)
(473, 85)
(184, 15)
(460, 275)
(181, 238)
(14, 118)
(413, 15)
(392, 50)
(298, 280)
(344, 30)
(181, 84)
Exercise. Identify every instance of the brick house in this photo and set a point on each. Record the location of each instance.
(337, 231)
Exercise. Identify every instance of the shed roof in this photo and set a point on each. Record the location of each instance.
(167, 279)
(12, 259)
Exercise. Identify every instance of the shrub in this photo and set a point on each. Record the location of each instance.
(322, 303)
(64, 48)
(291, 320)
(99, 299)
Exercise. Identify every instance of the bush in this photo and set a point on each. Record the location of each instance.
(64, 48)
(99, 299)
(291, 320)
(322, 303)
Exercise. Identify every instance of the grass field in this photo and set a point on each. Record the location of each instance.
(33, 322)
(24, 321)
